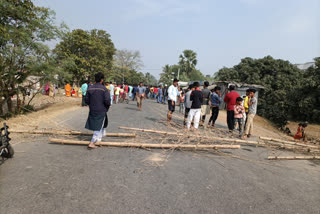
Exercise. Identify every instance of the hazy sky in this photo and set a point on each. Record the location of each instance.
(221, 32)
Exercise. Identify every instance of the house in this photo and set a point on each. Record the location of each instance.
(306, 65)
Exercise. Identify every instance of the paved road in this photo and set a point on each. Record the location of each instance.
(50, 178)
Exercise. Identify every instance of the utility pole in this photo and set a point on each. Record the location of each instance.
(178, 73)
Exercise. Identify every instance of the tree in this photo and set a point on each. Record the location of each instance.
(149, 79)
(185, 70)
(24, 28)
(128, 59)
(84, 53)
(188, 61)
(305, 98)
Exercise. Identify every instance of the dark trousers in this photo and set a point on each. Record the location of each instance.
(83, 103)
(186, 112)
(214, 115)
(230, 120)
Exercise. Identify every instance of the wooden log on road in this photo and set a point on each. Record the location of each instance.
(58, 132)
(147, 145)
(289, 142)
(294, 158)
(195, 136)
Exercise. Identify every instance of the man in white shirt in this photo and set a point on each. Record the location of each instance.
(111, 90)
(173, 93)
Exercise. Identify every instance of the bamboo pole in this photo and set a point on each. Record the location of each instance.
(71, 133)
(147, 145)
(289, 142)
(294, 158)
(196, 136)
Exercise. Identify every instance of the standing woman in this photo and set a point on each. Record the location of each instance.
(116, 93)
(76, 89)
(68, 89)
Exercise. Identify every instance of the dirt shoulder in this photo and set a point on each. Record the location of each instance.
(48, 108)
(262, 127)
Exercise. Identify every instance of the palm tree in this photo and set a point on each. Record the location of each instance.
(188, 61)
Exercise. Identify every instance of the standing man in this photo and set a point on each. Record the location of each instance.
(134, 92)
(155, 92)
(205, 108)
(251, 113)
(160, 94)
(165, 93)
(197, 98)
(230, 99)
(172, 98)
(151, 92)
(187, 104)
(130, 91)
(98, 99)
(147, 92)
(84, 89)
(111, 90)
(140, 95)
(215, 103)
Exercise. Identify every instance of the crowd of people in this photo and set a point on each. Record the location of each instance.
(194, 103)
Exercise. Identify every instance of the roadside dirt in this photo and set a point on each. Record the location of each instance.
(262, 127)
(49, 108)
(312, 131)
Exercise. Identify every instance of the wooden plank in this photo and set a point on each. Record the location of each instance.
(58, 132)
(147, 145)
(294, 158)
(289, 142)
(195, 136)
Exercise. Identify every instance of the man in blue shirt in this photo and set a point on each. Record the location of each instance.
(215, 102)
(140, 93)
(134, 91)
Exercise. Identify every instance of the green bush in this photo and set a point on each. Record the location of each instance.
(289, 94)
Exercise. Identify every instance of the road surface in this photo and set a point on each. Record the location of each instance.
(52, 178)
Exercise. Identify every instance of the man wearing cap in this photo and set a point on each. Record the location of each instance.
(173, 93)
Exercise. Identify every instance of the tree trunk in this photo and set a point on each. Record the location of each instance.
(18, 106)
(10, 104)
(1, 106)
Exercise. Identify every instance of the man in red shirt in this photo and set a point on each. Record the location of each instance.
(230, 99)
(155, 91)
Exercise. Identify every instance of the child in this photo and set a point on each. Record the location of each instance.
(301, 132)
(252, 103)
(181, 109)
(195, 111)
(238, 114)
